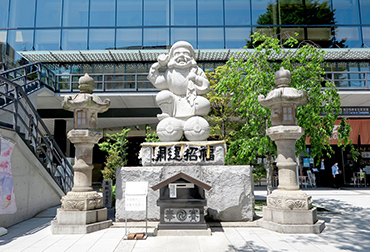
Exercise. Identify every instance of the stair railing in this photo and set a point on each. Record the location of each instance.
(23, 118)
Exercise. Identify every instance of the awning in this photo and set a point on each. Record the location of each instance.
(360, 127)
(150, 55)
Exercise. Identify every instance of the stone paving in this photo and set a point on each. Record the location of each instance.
(347, 229)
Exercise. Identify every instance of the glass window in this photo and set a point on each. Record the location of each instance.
(210, 12)
(183, 12)
(22, 13)
(348, 37)
(320, 35)
(236, 37)
(48, 13)
(156, 12)
(267, 12)
(129, 13)
(74, 39)
(210, 38)
(101, 39)
(365, 11)
(4, 13)
(263, 12)
(47, 39)
(318, 12)
(3, 37)
(102, 13)
(75, 13)
(129, 38)
(346, 12)
(366, 35)
(156, 37)
(20, 40)
(237, 12)
(2, 45)
(186, 34)
(291, 12)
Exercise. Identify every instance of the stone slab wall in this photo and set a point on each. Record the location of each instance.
(231, 197)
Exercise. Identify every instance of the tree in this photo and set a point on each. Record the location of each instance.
(244, 80)
(115, 145)
(151, 135)
(223, 119)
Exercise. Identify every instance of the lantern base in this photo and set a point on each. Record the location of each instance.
(315, 228)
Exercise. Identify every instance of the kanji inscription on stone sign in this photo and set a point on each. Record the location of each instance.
(189, 154)
(107, 193)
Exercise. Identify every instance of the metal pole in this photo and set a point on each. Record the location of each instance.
(344, 174)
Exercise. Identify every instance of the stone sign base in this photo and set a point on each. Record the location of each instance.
(183, 232)
(80, 222)
(231, 197)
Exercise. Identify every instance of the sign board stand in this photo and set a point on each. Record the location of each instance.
(136, 199)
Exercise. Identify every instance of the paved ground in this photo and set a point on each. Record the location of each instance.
(347, 229)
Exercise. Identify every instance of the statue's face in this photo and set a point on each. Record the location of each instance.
(181, 57)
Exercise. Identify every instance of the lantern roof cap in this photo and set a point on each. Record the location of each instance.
(184, 176)
(283, 94)
(283, 77)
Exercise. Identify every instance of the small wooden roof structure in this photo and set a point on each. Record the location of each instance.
(182, 176)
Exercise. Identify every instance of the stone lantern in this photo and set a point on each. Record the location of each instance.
(82, 210)
(288, 210)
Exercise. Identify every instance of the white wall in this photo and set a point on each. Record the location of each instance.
(35, 190)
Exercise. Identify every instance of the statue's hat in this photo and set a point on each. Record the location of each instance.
(185, 44)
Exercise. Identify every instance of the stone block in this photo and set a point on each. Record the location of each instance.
(290, 217)
(315, 228)
(231, 197)
(81, 217)
(101, 214)
(57, 228)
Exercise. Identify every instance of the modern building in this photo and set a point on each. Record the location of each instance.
(116, 41)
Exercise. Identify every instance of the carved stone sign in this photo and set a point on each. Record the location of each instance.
(107, 193)
(172, 153)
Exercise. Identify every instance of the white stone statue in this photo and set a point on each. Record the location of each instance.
(179, 100)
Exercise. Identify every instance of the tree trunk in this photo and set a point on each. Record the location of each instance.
(269, 173)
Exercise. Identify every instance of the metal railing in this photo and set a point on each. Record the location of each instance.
(107, 82)
(350, 79)
(35, 76)
(22, 117)
(30, 78)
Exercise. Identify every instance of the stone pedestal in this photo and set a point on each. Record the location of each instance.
(231, 197)
(288, 210)
(82, 210)
(80, 222)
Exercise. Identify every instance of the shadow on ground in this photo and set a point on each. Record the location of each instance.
(347, 226)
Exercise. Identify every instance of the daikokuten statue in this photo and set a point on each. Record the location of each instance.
(180, 101)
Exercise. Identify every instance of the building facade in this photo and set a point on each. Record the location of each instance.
(116, 41)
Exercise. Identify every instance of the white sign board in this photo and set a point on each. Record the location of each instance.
(135, 196)
(173, 190)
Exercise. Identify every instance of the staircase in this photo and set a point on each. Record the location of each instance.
(30, 78)
(18, 113)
